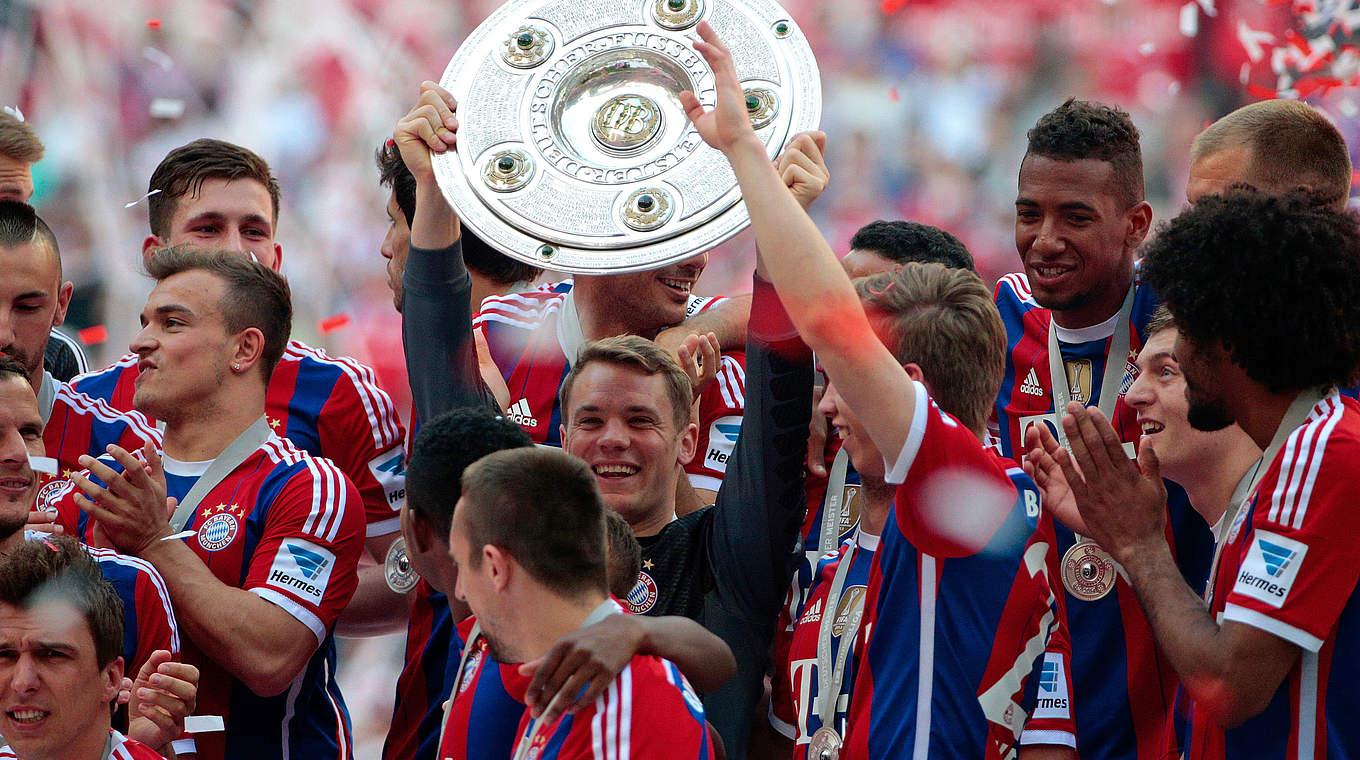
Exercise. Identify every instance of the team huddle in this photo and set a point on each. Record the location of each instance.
(873, 509)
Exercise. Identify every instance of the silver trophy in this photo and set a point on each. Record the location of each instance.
(574, 153)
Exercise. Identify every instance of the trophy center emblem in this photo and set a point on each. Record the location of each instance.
(626, 123)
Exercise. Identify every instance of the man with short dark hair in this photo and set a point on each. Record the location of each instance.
(1075, 319)
(1269, 665)
(528, 538)
(61, 631)
(33, 300)
(880, 245)
(1275, 146)
(214, 194)
(261, 553)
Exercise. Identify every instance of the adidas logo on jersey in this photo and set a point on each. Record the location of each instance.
(1031, 384)
(520, 414)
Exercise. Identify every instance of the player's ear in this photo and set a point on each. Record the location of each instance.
(111, 678)
(1138, 224)
(149, 246)
(498, 565)
(689, 443)
(914, 372)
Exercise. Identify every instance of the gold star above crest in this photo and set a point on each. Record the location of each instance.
(66, 474)
(273, 423)
(647, 564)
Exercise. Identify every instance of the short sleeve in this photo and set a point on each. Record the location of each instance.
(360, 430)
(720, 412)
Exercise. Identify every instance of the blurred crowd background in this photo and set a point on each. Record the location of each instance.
(926, 104)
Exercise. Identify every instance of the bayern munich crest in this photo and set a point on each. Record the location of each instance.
(52, 492)
(1088, 571)
(473, 662)
(642, 596)
(217, 531)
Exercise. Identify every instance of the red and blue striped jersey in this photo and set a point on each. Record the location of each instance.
(1123, 686)
(533, 345)
(328, 406)
(961, 599)
(795, 693)
(649, 710)
(282, 525)
(1290, 567)
(120, 748)
(148, 617)
(76, 424)
(425, 679)
(483, 716)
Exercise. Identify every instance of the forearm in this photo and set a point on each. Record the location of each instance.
(257, 642)
(797, 260)
(727, 320)
(434, 225)
(703, 657)
(375, 609)
(436, 328)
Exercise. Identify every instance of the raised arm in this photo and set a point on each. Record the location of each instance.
(815, 290)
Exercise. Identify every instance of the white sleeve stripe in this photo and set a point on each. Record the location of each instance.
(596, 734)
(310, 525)
(706, 482)
(1319, 453)
(626, 712)
(286, 603)
(335, 500)
(1298, 451)
(1031, 737)
(897, 471)
(724, 390)
(383, 527)
(150, 571)
(1255, 619)
(100, 410)
(81, 362)
(520, 323)
(377, 404)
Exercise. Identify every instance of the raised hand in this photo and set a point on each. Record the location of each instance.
(430, 125)
(728, 124)
(802, 166)
(132, 509)
(164, 694)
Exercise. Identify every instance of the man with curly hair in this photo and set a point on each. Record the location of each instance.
(1282, 611)
(1075, 320)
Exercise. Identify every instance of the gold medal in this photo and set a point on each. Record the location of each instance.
(1088, 572)
(825, 744)
(401, 576)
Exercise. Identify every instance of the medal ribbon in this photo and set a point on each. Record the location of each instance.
(1109, 382)
(604, 610)
(829, 677)
(1294, 418)
(834, 503)
(236, 452)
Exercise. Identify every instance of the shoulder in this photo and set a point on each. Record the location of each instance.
(85, 405)
(127, 362)
(1013, 289)
(316, 360)
(1320, 458)
(125, 748)
(521, 310)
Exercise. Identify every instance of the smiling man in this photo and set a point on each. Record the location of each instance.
(1075, 319)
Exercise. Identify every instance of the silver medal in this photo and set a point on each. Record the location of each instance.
(401, 577)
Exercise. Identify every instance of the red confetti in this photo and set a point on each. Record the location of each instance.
(1261, 93)
(1298, 41)
(890, 7)
(892, 94)
(390, 142)
(153, 23)
(93, 335)
(333, 323)
(1355, 177)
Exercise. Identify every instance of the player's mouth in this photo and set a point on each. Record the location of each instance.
(1049, 274)
(27, 716)
(683, 287)
(615, 470)
(15, 486)
(1151, 427)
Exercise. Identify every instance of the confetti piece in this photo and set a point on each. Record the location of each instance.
(153, 23)
(890, 7)
(167, 108)
(1253, 40)
(1208, 7)
(892, 94)
(130, 204)
(1189, 23)
(1355, 178)
(93, 335)
(43, 464)
(15, 112)
(1260, 93)
(1348, 108)
(182, 534)
(332, 323)
(1173, 89)
(1298, 42)
(1147, 48)
(159, 58)
(202, 724)
(1244, 74)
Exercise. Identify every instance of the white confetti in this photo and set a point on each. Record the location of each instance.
(15, 112)
(130, 204)
(1147, 48)
(1244, 75)
(1253, 40)
(1173, 89)
(159, 58)
(1348, 107)
(202, 724)
(43, 464)
(1209, 9)
(176, 537)
(1190, 19)
(167, 108)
